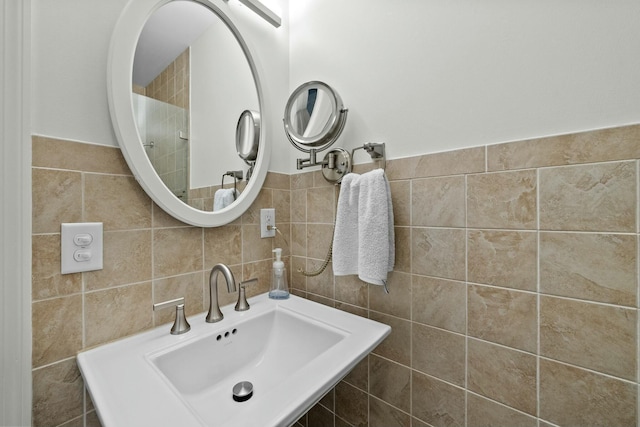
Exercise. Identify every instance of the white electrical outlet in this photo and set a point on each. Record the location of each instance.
(267, 222)
(81, 247)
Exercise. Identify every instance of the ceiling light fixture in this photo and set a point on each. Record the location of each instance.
(262, 10)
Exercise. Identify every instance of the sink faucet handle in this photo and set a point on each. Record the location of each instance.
(180, 324)
(242, 304)
(250, 281)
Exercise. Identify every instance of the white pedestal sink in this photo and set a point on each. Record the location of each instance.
(292, 351)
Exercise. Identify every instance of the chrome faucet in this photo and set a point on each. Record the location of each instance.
(214, 314)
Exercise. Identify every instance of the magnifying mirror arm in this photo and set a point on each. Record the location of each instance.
(329, 160)
(311, 161)
(252, 165)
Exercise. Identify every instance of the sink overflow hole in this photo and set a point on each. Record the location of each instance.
(226, 334)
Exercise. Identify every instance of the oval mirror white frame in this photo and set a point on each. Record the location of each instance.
(119, 91)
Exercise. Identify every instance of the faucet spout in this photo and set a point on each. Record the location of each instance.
(214, 314)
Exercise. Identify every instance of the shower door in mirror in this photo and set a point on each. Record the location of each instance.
(164, 131)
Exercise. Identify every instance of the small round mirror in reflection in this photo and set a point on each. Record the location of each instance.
(248, 135)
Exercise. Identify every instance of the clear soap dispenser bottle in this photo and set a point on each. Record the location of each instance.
(279, 288)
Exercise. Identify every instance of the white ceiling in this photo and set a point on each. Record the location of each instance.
(167, 33)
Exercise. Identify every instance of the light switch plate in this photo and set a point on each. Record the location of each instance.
(80, 247)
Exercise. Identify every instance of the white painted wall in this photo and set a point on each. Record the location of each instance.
(422, 75)
(70, 46)
(70, 40)
(221, 86)
(429, 75)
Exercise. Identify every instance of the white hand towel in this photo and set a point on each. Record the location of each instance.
(376, 247)
(224, 197)
(364, 241)
(345, 236)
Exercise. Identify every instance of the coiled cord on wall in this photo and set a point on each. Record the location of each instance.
(329, 256)
(325, 263)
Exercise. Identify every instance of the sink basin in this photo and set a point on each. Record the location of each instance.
(262, 348)
(291, 351)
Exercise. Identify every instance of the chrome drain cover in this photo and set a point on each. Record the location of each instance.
(242, 391)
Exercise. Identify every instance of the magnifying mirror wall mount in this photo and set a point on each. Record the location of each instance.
(328, 161)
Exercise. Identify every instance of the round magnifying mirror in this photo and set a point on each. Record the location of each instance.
(314, 116)
(248, 135)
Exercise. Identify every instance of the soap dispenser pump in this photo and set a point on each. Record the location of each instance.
(279, 288)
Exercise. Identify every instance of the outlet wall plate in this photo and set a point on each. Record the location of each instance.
(81, 247)
(267, 218)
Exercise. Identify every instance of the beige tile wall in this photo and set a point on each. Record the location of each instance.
(514, 301)
(144, 263)
(172, 84)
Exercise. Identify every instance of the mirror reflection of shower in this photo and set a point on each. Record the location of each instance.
(187, 57)
(163, 129)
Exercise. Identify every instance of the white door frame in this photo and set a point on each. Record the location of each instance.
(15, 213)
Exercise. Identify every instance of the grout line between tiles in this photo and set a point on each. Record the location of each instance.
(79, 293)
(84, 345)
(584, 301)
(590, 370)
(501, 404)
(48, 168)
(57, 233)
(389, 404)
(538, 230)
(638, 197)
(542, 294)
(590, 163)
(621, 233)
(439, 379)
(486, 158)
(538, 288)
(78, 418)
(501, 287)
(411, 348)
(83, 278)
(66, 359)
(411, 313)
(466, 294)
(503, 346)
(637, 335)
(637, 289)
(153, 269)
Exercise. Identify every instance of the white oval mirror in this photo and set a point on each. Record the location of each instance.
(177, 131)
